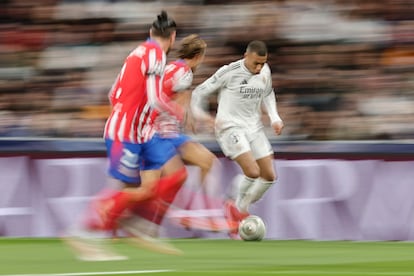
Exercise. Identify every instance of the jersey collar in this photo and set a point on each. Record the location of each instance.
(244, 67)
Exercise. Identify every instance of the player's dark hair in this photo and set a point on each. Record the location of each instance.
(163, 26)
(191, 46)
(258, 47)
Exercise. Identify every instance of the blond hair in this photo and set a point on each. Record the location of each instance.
(190, 46)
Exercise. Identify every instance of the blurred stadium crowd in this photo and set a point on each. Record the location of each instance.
(343, 69)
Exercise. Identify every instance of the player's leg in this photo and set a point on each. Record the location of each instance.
(124, 169)
(251, 172)
(196, 154)
(235, 145)
(265, 181)
(144, 233)
(85, 237)
(166, 190)
(109, 203)
(151, 157)
(174, 166)
(160, 159)
(151, 212)
(263, 153)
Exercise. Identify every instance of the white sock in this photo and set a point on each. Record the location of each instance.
(255, 191)
(242, 201)
(258, 189)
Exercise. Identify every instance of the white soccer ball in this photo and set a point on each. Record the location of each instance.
(252, 228)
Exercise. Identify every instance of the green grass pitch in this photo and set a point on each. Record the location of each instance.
(38, 256)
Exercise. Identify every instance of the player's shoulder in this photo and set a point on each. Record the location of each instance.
(144, 48)
(151, 44)
(229, 68)
(178, 64)
(266, 69)
(179, 67)
(154, 47)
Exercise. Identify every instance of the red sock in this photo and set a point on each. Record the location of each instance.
(121, 201)
(109, 206)
(167, 188)
(152, 210)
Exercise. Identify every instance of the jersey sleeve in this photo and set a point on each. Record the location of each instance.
(208, 87)
(268, 75)
(155, 65)
(182, 80)
(269, 101)
(270, 106)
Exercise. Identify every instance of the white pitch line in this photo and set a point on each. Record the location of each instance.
(93, 273)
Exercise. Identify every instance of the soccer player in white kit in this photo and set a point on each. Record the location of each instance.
(244, 87)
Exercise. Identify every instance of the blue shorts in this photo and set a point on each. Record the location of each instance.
(126, 160)
(179, 140)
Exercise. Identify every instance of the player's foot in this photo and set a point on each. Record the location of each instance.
(213, 224)
(98, 215)
(107, 213)
(231, 212)
(144, 234)
(233, 216)
(91, 249)
(234, 235)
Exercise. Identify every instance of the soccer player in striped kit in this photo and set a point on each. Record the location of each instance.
(135, 149)
(244, 87)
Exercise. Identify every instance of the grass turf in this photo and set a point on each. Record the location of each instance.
(38, 256)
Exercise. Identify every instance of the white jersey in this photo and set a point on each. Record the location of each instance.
(240, 96)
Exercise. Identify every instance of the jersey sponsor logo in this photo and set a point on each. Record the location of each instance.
(251, 92)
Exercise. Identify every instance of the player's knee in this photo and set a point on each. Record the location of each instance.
(180, 175)
(149, 192)
(252, 171)
(207, 162)
(269, 177)
(183, 174)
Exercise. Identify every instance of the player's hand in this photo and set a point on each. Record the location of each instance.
(277, 127)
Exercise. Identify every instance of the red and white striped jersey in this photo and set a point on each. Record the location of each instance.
(136, 94)
(178, 77)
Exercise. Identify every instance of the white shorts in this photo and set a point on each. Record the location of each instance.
(235, 141)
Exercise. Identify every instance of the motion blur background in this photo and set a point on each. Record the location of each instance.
(342, 69)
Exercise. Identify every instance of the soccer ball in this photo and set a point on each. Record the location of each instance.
(252, 228)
